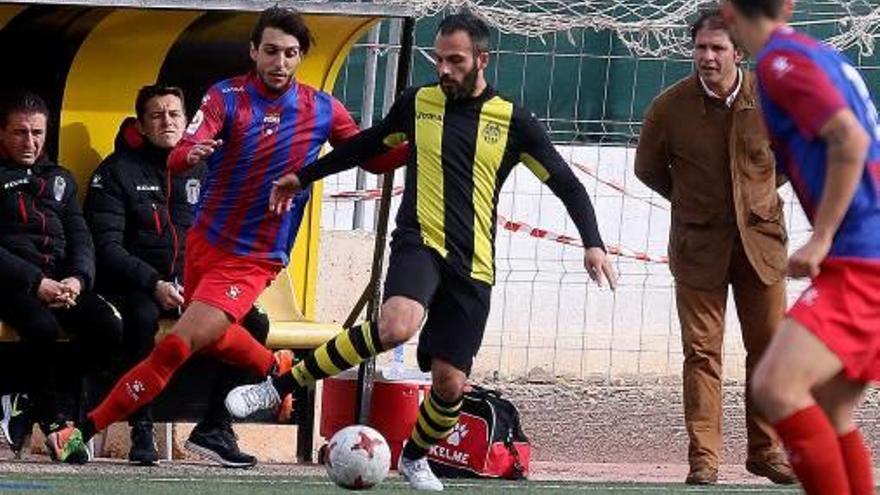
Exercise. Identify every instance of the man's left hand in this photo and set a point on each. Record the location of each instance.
(283, 191)
(599, 267)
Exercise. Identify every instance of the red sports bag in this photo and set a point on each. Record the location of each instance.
(487, 442)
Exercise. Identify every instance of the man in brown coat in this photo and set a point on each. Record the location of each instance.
(703, 147)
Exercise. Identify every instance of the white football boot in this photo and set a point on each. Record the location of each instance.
(248, 399)
(419, 475)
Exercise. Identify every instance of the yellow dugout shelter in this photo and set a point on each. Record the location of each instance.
(89, 58)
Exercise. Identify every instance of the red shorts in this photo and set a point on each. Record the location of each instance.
(842, 308)
(226, 281)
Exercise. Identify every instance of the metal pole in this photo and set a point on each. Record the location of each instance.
(366, 369)
(390, 91)
(367, 114)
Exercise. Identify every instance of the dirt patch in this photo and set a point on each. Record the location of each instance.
(632, 420)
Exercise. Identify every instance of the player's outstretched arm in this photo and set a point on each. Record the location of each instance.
(384, 140)
(847, 143)
(361, 147)
(344, 129)
(200, 138)
(541, 157)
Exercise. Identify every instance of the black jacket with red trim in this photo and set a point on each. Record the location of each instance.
(42, 231)
(139, 232)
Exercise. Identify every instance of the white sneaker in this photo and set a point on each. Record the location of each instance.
(419, 474)
(245, 400)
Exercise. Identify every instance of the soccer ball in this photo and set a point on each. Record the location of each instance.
(358, 458)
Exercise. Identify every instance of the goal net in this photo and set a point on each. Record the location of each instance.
(588, 70)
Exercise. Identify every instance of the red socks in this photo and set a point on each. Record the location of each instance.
(239, 348)
(146, 380)
(857, 458)
(814, 452)
(142, 383)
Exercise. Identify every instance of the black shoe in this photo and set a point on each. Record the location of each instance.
(143, 446)
(219, 445)
(17, 421)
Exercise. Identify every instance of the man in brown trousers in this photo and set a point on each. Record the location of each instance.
(703, 147)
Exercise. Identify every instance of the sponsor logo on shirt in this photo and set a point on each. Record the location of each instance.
(436, 117)
(148, 188)
(15, 183)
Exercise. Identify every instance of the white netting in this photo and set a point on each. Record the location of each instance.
(653, 27)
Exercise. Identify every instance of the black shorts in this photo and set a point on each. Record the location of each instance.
(457, 306)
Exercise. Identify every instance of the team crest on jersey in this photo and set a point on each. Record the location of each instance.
(271, 122)
(233, 292)
(59, 187)
(197, 120)
(491, 133)
(193, 189)
(781, 66)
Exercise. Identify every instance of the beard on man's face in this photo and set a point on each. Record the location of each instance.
(455, 90)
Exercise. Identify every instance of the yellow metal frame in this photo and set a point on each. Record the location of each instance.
(7, 12)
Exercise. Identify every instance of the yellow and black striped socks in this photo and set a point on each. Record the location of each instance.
(346, 350)
(436, 420)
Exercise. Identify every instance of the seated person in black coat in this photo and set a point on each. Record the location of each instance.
(48, 264)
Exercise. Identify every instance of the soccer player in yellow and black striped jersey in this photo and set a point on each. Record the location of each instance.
(464, 141)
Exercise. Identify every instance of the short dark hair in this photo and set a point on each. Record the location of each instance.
(287, 20)
(713, 20)
(475, 27)
(150, 91)
(759, 8)
(25, 102)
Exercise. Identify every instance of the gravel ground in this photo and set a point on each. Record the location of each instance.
(629, 421)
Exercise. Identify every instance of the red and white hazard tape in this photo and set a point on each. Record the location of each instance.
(615, 185)
(547, 235)
(514, 226)
(363, 195)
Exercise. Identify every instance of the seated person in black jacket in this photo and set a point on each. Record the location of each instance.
(47, 261)
(140, 230)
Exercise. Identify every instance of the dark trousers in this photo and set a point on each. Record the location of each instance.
(95, 330)
(141, 314)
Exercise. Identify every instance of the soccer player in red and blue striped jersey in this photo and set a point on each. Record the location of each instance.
(263, 133)
(251, 130)
(826, 136)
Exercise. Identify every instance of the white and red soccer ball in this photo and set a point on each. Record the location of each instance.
(358, 458)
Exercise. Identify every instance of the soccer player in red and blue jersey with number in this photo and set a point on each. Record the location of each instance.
(251, 130)
(826, 135)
